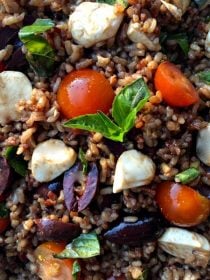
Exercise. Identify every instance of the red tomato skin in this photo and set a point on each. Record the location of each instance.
(182, 205)
(4, 223)
(175, 88)
(52, 268)
(84, 92)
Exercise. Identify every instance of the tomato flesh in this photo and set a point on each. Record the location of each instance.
(84, 92)
(50, 268)
(175, 88)
(181, 204)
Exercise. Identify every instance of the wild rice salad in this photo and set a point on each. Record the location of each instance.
(105, 139)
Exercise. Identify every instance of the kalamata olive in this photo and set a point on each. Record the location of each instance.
(71, 177)
(5, 174)
(56, 230)
(146, 229)
(7, 36)
(204, 190)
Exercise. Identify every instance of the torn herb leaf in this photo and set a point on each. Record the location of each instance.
(83, 160)
(187, 175)
(128, 102)
(16, 161)
(204, 76)
(82, 247)
(76, 270)
(40, 54)
(97, 123)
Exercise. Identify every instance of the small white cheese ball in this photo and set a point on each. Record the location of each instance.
(133, 169)
(203, 145)
(92, 22)
(185, 244)
(50, 159)
(14, 86)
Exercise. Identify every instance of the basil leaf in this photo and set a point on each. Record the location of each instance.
(204, 76)
(75, 270)
(4, 212)
(84, 246)
(124, 3)
(182, 41)
(16, 161)
(187, 175)
(40, 54)
(128, 102)
(83, 161)
(98, 123)
(39, 26)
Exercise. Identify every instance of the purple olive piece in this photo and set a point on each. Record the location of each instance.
(5, 174)
(56, 230)
(7, 36)
(17, 60)
(145, 229)
(204, 190)
(71, 177)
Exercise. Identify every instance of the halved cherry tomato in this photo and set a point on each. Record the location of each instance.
(175, 88)
(84, 92)
(50, 268)
(4, 218)
(181, 204)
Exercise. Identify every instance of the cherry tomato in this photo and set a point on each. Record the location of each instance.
(175, 88)
(2, 67)
(84, 92)
(181, 204)
(50, 268)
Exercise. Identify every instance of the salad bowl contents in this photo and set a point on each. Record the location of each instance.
(105, 140)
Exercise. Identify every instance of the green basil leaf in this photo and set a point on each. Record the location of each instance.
(182, 41)
(98, 123)
(124, 3)
(16, 161)
(4, 212)
(39, 26)
(128, 102)
(204, 76)
(83, 161)
(187, 175)
(40, 54)
(84, 246)
(75, 270)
